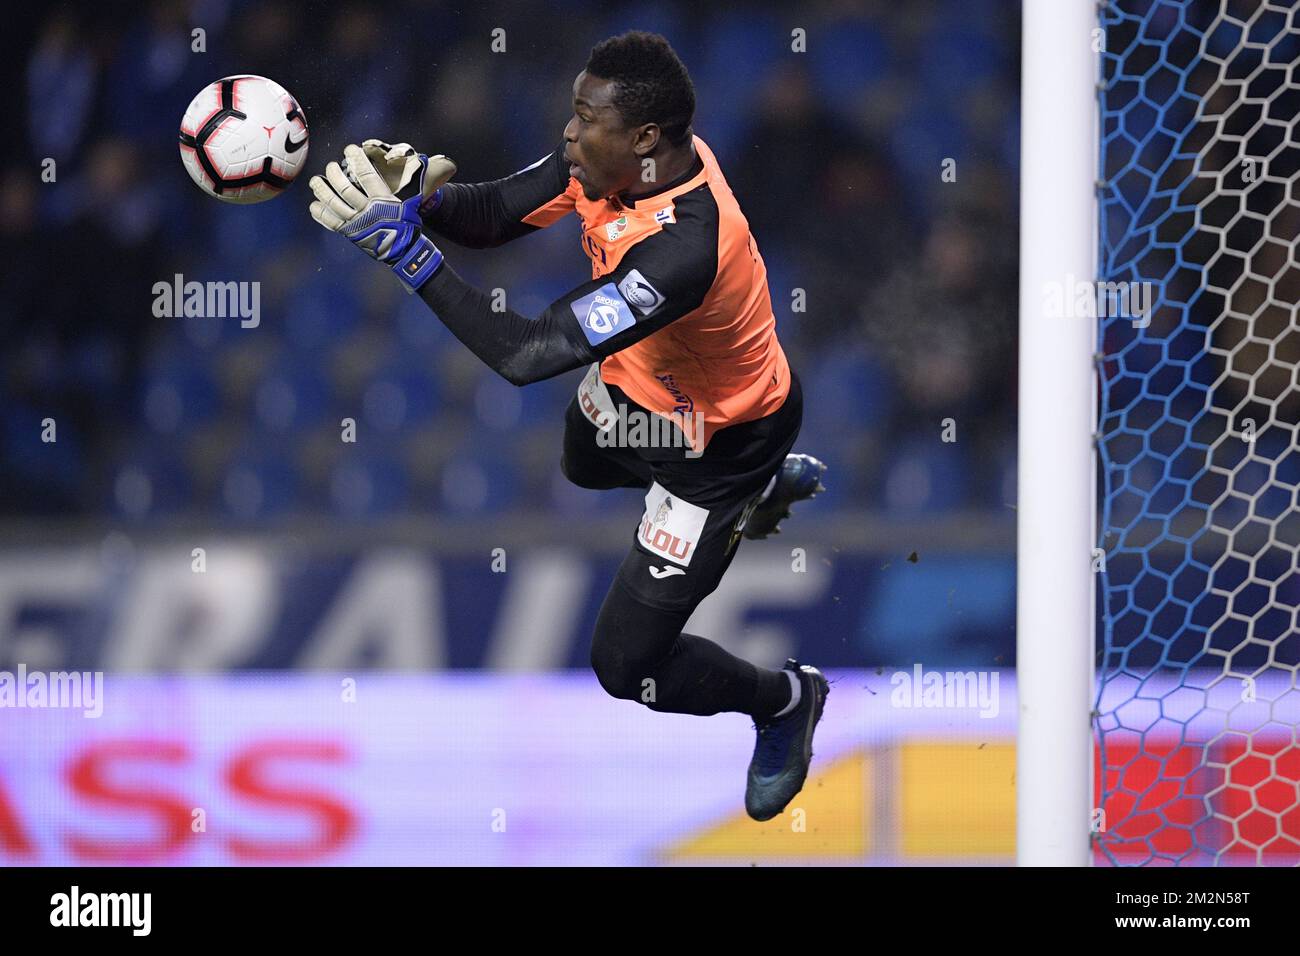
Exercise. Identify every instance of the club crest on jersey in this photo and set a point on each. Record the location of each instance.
(670, 527)
(615, 229)
(602, 313)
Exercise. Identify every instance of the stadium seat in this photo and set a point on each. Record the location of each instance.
(953, 60)
(365, 484)
(180, 393)
(740, 53)
(478, 480)
(402, 394)
(58, 463)
(318, 314)
(925, 475)
(417, 328)
(259, 483)
(150, 482)
(852, 56)
(292, 395)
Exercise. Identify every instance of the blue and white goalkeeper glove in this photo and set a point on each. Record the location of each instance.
(378, 209)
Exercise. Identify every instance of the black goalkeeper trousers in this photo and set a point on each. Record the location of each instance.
(683, 544)
(640, 653)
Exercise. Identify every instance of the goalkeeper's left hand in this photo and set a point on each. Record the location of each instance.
(385, 224)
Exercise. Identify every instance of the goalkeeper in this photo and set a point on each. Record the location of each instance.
(676, 326)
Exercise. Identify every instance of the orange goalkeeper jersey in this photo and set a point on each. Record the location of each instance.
(677, 312)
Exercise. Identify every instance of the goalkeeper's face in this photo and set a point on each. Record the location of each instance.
(604, 154)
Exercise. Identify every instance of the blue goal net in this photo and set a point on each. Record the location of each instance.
(1199, 457)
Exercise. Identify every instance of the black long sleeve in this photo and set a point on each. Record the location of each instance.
(482, 215)
(519, 349)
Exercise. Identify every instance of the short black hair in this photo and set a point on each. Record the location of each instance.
(651, 82)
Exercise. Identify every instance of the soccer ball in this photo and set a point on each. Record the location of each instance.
(243, 139)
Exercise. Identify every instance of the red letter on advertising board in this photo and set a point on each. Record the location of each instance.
(89, 775)
(246, 776)
(12, 838)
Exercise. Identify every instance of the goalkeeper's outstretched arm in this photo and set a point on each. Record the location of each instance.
(596, 319)
(661, 278)
(481, 215)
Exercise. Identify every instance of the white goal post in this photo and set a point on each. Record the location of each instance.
(1056, 499)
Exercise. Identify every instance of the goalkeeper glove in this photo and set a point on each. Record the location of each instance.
(398, 164)
(361, 205)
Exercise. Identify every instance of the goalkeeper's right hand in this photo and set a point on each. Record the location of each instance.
(360, 205)
(399, 164)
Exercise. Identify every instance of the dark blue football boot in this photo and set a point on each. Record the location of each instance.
(783, 750)
(799, 479)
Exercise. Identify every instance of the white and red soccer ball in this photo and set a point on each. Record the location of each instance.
(244, 139)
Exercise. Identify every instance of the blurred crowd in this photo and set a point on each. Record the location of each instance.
(838, 157)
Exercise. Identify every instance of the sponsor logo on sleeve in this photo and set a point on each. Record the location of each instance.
(602, 313)
(640, 294)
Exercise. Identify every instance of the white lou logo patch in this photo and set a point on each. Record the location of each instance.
(671, 527)
(595, 401)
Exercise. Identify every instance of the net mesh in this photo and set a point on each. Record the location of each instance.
(1199, 209)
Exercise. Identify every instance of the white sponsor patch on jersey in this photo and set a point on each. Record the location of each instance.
(671, 527)
(595, 401)
(602, 313)
(640, 294)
